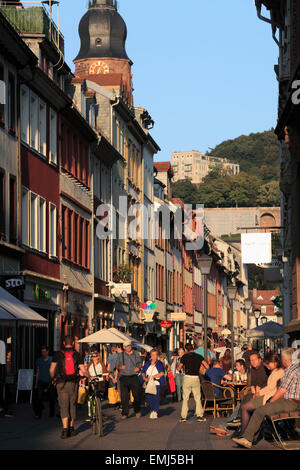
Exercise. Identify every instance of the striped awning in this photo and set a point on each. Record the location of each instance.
(12, 309)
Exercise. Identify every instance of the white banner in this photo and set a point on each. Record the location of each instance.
(256, 248)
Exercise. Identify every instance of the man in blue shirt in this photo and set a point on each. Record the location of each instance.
(200, 351)
(43, 383)
(216, 375)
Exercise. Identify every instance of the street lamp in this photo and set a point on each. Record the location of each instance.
(204, 263)
(231, 292)
(248, 305)
(257, 313)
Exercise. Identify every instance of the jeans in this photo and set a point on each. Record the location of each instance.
(127, 384)
(154, 400)
(179, 383)
(191, 383)
(275, 408)
(51, 393)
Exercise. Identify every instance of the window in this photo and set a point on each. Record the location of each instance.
(11, 103)
(33, 221)
(53, 137)
(42, 223)
(25, 216)
(52, 230)
(34, 121)
(42, 127)
(2, 201)
(25, 114)
(75, 238)
(2, 95)
(12, 210)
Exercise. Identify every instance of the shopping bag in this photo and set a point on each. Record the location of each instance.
(113, 396)
(172, 385)
(82, 395)
(151, 388)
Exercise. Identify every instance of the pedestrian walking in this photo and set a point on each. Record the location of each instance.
(43, 384)
(191, 382)
(64, 369)
(153, 374)
(129, 364)
(179, 376)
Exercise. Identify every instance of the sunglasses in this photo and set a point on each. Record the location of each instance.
(97, 355)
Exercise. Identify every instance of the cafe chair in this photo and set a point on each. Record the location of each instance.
(218, 403)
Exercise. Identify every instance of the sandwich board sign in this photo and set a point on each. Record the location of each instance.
(25, 382)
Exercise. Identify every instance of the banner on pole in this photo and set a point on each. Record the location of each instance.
(256, 248)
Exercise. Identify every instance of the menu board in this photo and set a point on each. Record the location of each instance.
(2, 353)
(25, 379)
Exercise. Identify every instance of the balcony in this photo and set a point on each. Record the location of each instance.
(34, 20)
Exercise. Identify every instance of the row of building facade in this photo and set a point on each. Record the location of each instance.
(283, 17)
(71, 146)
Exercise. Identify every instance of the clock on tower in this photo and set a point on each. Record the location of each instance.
(98, 67)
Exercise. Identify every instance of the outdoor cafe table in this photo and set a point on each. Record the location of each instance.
(237, 386)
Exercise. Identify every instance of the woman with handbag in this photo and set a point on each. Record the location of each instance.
(153, 374)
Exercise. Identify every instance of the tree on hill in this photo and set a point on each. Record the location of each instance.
(256, 185)
(253, 151)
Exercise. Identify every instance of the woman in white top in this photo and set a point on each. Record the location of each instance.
(96, 368)
(154, 370)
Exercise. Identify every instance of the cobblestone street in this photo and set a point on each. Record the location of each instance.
(24, 433)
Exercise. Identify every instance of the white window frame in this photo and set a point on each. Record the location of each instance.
(25, 215)
(34, 121)
(42, 224)
(34, 218)
(52, 230)
(42, 127)
(25, 120)
(53, 137)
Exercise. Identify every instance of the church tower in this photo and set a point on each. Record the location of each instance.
(102, 57)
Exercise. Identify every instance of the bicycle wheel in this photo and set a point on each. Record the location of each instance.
(98, 423)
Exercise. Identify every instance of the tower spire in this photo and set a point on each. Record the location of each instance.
(103, 3)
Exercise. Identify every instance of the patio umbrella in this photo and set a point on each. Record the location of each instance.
(269, 329)
(135, 342)
(103, 336)
(226, 332)
(112, 336)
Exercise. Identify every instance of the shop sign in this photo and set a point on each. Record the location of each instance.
(256, 248)
(41, 293)
(14, 282)
(119, 289)
(166, 324)
(177, 316)
(148, 305)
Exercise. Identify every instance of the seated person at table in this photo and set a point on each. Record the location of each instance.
(216, 375)
(241, 371)
(257, 376)
(273, 363)
(285, 400)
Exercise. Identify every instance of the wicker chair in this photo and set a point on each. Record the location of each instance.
(220, 403)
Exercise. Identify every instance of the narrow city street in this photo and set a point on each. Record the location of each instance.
(24, 433)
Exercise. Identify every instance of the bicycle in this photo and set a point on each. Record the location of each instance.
(95, 408)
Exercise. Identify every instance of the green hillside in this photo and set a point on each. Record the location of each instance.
(256, 185)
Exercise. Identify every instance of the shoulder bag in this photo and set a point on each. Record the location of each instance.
(151, 386)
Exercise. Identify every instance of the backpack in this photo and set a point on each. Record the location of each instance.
(68, 365)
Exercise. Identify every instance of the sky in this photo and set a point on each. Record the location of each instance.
(204, 70)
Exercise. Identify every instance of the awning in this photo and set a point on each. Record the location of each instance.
(269, 329)
(13, 309)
